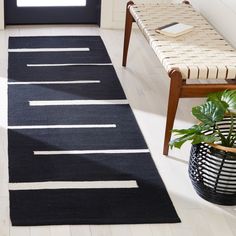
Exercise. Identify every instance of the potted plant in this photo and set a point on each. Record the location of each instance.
(212, 166)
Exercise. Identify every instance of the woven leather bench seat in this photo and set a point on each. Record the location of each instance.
(200, 54)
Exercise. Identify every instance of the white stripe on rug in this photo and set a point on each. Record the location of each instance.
(69, 64)
(78, 102)
(63, 126)
(58, 82)
(89, 152)
(73, 185)
(49, 50)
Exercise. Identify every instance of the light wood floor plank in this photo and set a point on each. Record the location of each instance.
(120, 230)
(19, 231)
(4, 216)
(80, 230)
(40, 230)
(63, 230)
(100, 230)
(161, 230)
(218, 225)
(141, 229)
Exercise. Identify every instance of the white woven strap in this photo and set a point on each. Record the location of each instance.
(200, 54)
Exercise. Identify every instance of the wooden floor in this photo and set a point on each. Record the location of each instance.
(146, 86)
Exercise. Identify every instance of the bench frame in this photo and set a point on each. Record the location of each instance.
(178, 86)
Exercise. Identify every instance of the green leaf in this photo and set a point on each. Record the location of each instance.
(221, 135)
(193, 130)
(205, 138)
(215, 97)
(209, 113)
(196, 139)
(227, 99)
(188, 134)
(178, 142)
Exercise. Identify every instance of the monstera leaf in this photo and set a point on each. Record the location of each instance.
(192, 130)
(178, 142)
(195, 133)
(209, 113)
(195, 138)
(226, 99)
(202, 138)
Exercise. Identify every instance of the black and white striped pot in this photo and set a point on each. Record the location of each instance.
(212, 171)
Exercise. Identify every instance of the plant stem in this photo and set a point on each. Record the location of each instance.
(231, 129)
(232, 137)
(232, 141)
(223, 139)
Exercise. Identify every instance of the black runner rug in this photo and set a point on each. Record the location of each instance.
(76, 153)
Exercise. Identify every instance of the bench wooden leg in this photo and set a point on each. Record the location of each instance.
(174, 96)
(128, 27)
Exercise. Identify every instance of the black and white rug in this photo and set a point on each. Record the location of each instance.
(76, 153)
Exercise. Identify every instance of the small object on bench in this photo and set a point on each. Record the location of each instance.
(201, 54)
(174, 29)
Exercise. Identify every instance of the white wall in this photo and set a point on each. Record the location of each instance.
(221, 14)
(1, 14)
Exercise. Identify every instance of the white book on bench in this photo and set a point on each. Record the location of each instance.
(174, 29)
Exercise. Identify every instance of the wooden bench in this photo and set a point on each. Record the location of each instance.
(200, 54)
